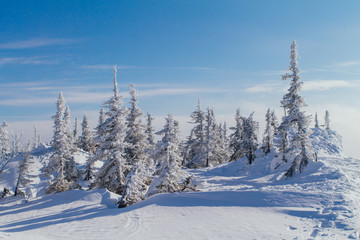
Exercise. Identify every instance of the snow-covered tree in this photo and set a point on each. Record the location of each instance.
(196, 155)
(295, 121)
(62, 161)
(213, 139)
(223, 144)
(36, 143)
(327, 120)
(150, 130)
(316, 121)
(111, 148)
(136, 138)
(5, 150)
(86, 139)
(236, 137)
(268, 137)
(169, 157)
(75, 133)
(137, 184)
(249, 141)
(23, 180)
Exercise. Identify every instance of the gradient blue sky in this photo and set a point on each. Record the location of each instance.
(230, 54)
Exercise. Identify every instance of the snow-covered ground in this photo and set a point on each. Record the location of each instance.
(234, 201)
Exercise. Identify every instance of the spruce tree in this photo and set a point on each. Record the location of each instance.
(150, 130)
(268, 137)
(327, 121)
(136, 138)
(295, 120)
(5, 150)
(169, 156)
(249, 141)
(23, 179)
(236, 137)
(196, 156)
(62, 161)
(111, 148)
(316, 121)
(86, 139)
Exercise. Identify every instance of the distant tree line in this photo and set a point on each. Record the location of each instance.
(135, 166)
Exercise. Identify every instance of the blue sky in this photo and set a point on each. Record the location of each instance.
(229, 54)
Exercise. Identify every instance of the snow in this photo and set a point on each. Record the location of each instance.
(235, 201)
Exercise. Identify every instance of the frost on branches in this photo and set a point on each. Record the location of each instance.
(136, 138)
(294, 126)
(169, 157)
(196, 145)
(236, 137)
(62, 161)
(111, 148)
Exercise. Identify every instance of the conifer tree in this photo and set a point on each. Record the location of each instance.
(249, 141)
(136, 138)
(112, 146)
(223, 144)
(62, 161)
(23, 180)
(150, 130)
(268, 137)
(196, 156)
(86, 139)
(316, 121)
(36, 143)
(327, 120)
(75, 133)
(213, 140)
(169, 157)
(137, 184)
(5, 150)
(295, 121)
(236, 137)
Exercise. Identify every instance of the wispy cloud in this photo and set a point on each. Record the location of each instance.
(37, 42)
(177, 91)
(26, 60)
(105, 67)
(264, 87)
(324, 85)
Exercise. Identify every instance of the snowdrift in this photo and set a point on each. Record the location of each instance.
(235, 201)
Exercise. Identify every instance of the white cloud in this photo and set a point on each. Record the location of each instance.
(176, 91)
(26, 60)
(323, 85)
(37, 42)
(105, 67)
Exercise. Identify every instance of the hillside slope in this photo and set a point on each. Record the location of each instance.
(234, 201)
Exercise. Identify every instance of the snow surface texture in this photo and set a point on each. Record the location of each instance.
(235, 201)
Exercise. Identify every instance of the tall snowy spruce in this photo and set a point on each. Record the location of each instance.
(86, 140)
(196, 149)
(150, 130)
(236, 137)
(327, 120)
(294, 125)
(169, 156)
(316, 121)
(137, 184)
(249, 141)
(270, 127)
(136, 138)
(62, 162)
(111, 148)
(23, 179)
(5, 150)
(213, 141)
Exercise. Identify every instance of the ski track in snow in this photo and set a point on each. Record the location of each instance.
(235, 201)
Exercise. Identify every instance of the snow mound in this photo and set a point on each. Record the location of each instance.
(326, 142)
